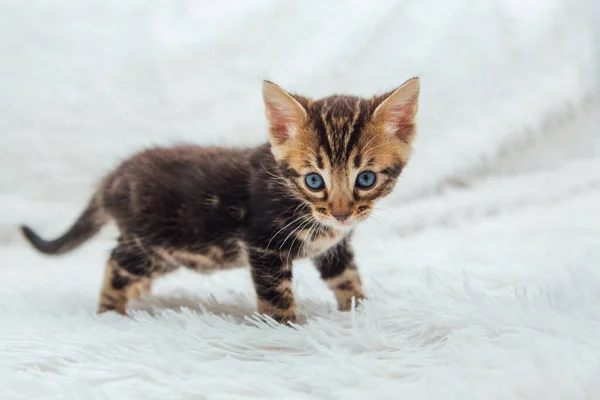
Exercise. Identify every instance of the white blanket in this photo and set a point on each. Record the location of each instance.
(483, 268)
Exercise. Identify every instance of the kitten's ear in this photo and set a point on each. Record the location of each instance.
(284, 113)
(398, 110)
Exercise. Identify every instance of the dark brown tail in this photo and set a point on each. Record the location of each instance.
(87, 225)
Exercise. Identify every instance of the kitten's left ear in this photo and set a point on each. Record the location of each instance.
(397, 112)
(284, 113)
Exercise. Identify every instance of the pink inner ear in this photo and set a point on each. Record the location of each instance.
(401, 117)
(401, 113)
(279, 121)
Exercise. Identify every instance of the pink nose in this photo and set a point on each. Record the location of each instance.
(340, 216)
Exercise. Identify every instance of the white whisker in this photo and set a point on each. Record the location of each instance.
(279, 231)
(295, 237)
(299, 227)
(376, 219)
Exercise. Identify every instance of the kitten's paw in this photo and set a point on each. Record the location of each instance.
(103, 308)
(346, 303)
(136, 291)
(283, 316)
(285, 319)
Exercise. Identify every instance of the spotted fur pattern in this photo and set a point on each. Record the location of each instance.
(209, 209)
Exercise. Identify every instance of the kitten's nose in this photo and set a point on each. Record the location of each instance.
(340, 215)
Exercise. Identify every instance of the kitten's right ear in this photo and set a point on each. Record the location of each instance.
(284, 113)
(398, 110)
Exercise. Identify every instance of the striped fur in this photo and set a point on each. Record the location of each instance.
(208, 209)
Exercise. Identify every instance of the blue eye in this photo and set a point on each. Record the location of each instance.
(365, 179)
(314, 181)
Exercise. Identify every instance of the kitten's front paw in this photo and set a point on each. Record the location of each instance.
(283, 316)
(345, 303)
(106, 307)
(285, 319)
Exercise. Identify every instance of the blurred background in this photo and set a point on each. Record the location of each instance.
(84, 84)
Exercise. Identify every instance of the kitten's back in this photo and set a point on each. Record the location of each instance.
(179, 190)
(169, 196)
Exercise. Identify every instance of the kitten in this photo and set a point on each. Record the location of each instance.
(300, 195)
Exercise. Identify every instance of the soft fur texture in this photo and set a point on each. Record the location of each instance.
(209, 208)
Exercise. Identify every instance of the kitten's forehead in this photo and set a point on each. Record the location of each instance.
(338, 123)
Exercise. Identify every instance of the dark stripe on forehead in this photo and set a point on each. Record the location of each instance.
(320, 161)
(321, 131)
(357, 160)
(338, 121)
(334, 136)
(355, 127)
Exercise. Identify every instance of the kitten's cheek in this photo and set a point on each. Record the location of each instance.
(319, 217)
(363, 216)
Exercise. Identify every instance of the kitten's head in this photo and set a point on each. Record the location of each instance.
(340, 154)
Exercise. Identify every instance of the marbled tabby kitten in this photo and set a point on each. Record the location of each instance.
(300, 195)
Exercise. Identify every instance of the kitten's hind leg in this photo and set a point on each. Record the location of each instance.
(117, 288)
(128, 270)
(143, 287)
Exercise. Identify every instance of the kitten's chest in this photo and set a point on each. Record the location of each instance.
(314, 244)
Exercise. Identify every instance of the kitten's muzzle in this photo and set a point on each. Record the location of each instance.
(341, 216)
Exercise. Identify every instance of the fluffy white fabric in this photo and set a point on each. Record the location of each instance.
(483, 269)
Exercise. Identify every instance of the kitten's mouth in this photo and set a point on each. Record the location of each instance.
(331, 222)
(350, 222)
(346, 222)
(342, 225)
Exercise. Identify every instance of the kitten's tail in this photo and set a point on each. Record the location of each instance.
(87, 225)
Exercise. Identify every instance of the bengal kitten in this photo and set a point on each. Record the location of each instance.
(209, 208)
